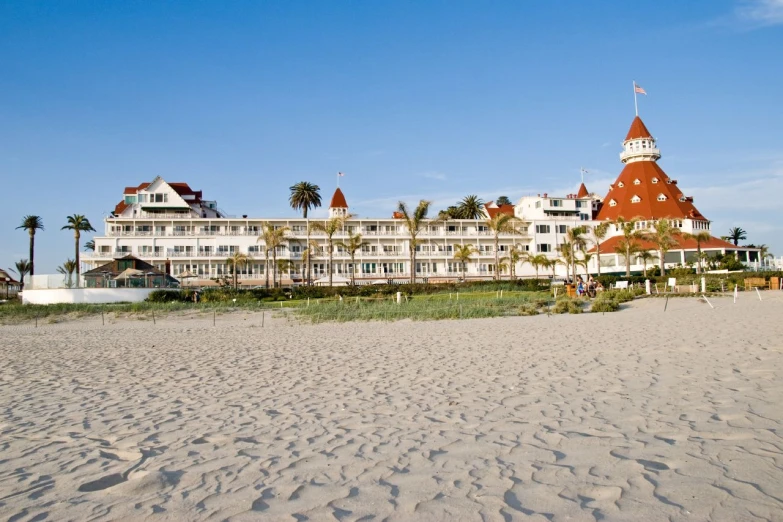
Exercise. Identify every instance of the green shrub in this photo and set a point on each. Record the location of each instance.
(604, 305)
(528, 309)
(567, 305)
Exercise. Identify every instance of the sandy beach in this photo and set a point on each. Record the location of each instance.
(636, 415)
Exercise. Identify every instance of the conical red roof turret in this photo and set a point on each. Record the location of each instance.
(338, 200)
(583, 193)
(637, 130)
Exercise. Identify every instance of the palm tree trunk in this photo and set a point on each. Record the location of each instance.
(32, 254)
(662, 255)
(307, 224)
(266, 266)
(413, 264)
(627, 262)
(353, 268)
(331, 264)
(698, 257)
(497, 259)
(76, 235)
(598, 258)
(274, 267)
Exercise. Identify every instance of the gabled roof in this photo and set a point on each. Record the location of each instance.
(608, 246)
(493, 209)
(637, 130)
(338, 200)
(658, 195)
(4, 275)
(583, 193)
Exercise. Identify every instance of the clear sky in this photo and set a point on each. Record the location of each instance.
(411, 99)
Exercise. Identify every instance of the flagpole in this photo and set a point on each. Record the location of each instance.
(338, 180)
(635, 104)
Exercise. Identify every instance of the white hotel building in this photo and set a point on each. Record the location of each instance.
(174, 228)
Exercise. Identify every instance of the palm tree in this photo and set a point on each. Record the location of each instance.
(236, 260)
(304, 196)
(451, 212)
(585, 262)
(598, 235)
(463, 254)
(22, 268)
(330, 227)
(272, 237)
(663, 237)
(67, 269)
(736, 234)
(764, 254)
(31, 224)
(78, 224)
(537, 261)
(282, 265)
(565, 257)
(552, 263)
(471, 207)
(645, 256)
(514, 256)
(413, 222)
(90, 245)
(699, 237)
(354, 243)
(576, 242)
(629, 243)
(501, 224)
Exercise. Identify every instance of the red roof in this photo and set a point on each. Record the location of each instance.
(120, 208)
(494, 210)
(637, 130)
(582, 191)
(133, 190)
(397, 215)
(609, 245)
(647, 181)
(338, 200)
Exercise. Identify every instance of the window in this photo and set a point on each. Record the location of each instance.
(637, 182)
(581, 204)
(129, 200)
(621, 184)
(254, 249)
(556, 202)
(543, 247)
(662, 197)
(538, 204)
(542, 229)
(561, 229)
(655, 181)
(635, 199)
(584, 217)
(612, 203)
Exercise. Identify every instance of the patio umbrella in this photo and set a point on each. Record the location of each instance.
(128, 273)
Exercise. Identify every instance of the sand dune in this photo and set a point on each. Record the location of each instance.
(638, 415)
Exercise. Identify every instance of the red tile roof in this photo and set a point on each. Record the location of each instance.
(609, 245)
(637, 130)
(120, 208)
(494, 210)
(625, 188)
(582, 191)
(338, 200)
(397, 215)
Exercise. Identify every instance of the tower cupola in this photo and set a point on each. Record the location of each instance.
(639, 145)
(338, 207)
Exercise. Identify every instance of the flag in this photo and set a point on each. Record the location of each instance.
(637, 89)
(340, 174)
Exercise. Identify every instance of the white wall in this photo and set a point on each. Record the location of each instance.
(86, 295)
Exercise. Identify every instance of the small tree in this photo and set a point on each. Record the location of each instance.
(501, 224)
(414, 221)
(514, 256)
(463, 254)
(272, 237)
(663, 237)
(330, 227)
(78, 223)
(736, 234)
(236, 260)
(503, 200)
(645, 256)
(353, 244)
(629, 244)
(699, 237)
(598, 236)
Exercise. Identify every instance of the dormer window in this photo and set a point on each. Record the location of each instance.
(621, 185)
(669, 181)
(655, 181)
(635, 199)
(662, 197)
(612, 203)
(637, 182)
(683, 199)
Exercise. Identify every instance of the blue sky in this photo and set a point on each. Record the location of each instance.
(411, 99)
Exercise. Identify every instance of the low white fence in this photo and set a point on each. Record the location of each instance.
(85, 295)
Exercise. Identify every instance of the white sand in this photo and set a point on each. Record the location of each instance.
(638, 415)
